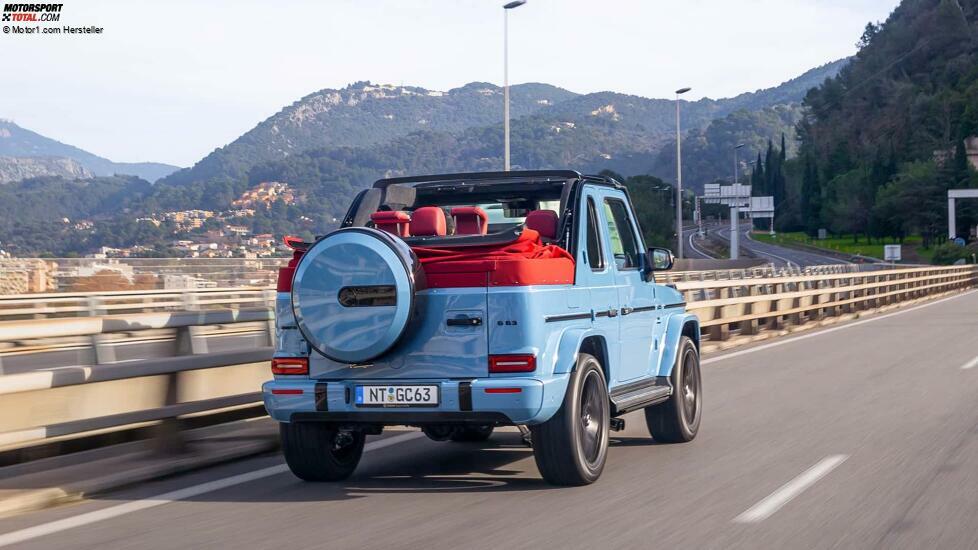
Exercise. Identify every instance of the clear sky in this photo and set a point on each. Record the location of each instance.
(169, 81)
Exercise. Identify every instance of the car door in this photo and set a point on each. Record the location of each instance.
(636, 297)
(596, 273)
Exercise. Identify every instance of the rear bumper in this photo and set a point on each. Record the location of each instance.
(389, 418)
(465, 401)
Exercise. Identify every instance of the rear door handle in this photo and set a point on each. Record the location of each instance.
(626, 310)
(465, 322)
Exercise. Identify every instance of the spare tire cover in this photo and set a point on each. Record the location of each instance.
(353, 293)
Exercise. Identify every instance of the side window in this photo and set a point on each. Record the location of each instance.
(624, 245)
(594, 256)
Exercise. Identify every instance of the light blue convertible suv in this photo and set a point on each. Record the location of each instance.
(462, 302)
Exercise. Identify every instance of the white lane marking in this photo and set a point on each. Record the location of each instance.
(88, 518)
(970, 364)
(694, 248)
(773, 502)
(821, 332)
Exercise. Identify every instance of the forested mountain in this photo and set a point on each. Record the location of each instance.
(788, 92)
(332, 143)
(708, 153)
(885, 139)
(364, 114)
(20, 142)
(40, 214)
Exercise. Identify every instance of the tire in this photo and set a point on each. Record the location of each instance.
(678, 419)
(472, 433)
(571, 447)
(311, 453)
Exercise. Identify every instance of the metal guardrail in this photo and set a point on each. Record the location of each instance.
(22, 275)
(766, 303)
(44, 305)
(756, 272)
(106, 394)
(43, 404)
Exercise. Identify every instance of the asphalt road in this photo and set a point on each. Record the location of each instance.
(863, 435)
(778, 255)
(690, 241)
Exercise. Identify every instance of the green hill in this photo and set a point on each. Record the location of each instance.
(885, 139)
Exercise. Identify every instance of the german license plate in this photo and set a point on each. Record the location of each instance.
(397, 396)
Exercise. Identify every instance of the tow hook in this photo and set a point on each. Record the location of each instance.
(617, 424)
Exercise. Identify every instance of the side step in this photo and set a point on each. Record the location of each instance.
(639, 395)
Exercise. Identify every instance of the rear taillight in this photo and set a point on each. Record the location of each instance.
(504, 390)
(512, 363)
(290, 365)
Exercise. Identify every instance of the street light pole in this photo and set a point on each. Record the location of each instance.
(735, 213)
(506, 8)
(679, 177)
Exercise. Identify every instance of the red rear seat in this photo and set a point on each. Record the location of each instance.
(428, 221)
(543, 222)
(393, 222)
(470, 220)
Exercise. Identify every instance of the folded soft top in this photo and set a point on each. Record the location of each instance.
(523, 261)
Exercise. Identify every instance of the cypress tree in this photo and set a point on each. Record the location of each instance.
(811, 197)
(769, 169)
(758, 179)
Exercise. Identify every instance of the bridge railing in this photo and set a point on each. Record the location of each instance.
(755, 273)
(748, 306)
(103, 394)
(78, 304)
(39, 405)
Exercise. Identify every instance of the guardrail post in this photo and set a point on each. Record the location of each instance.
(190, 341)
(815, 313)
(721, 331)
(101, 350)
(794, 318)
(167, 436)
(847, 307)
(190, 301)
(95, 306)
(749, 326)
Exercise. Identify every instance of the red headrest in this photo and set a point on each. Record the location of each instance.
(544, 222)
(392, 221)
(428, 221)
(470, 220)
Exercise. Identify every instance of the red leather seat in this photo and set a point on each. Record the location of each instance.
(470, 220)
(543, 222)
(428, 221)
(393, 222)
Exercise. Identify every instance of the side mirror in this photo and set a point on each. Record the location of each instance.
(659, 259)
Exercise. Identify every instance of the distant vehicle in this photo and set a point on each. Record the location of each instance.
(463, 302)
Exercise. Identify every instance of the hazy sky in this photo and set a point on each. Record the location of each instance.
(171, 80)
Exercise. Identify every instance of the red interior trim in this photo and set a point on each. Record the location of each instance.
(525, 261)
